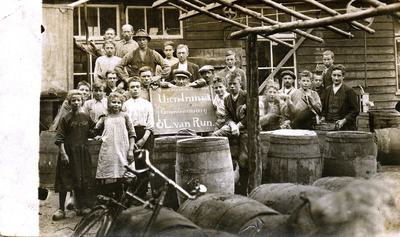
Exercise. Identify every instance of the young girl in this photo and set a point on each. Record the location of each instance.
(74, 162)
(118, 138)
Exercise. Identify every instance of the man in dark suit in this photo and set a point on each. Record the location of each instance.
(340, 102)
(328, 58)
(182, 51)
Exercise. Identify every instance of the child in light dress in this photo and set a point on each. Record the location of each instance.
(118, 136)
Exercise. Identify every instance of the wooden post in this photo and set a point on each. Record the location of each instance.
(254, 152)
(87, 43)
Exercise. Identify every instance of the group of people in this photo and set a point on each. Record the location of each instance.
(319, 98)
(120, 113)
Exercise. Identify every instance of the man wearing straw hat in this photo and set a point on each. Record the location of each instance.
(140, 57)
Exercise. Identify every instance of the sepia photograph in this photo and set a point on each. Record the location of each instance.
(200, 118)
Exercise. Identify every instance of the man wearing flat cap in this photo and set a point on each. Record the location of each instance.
(182, 78)
(140, 57)
(288, 78)
(207, 73)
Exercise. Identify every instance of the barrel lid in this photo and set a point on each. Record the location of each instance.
(203, 141)
(293, 134)
(349, 134)
(171, 139)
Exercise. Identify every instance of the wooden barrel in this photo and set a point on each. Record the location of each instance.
(294, 157)
(94, 150)
(164, 159)
(208, 160)
(48, 154)
(322, 140)
(349, 153)
(233, 214)
(283, 197)
(265, 138)
(134, 220)
(333, 183)
(384, 119)
(388, 140)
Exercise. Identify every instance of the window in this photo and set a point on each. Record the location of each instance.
(270, 54)
(159, 23)
(100, 18)
(272, 14)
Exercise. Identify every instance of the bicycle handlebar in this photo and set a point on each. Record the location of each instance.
(158, 172)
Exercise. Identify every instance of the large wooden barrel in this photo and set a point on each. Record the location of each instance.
(234, 214)
(133, 222)
(333, 183)
(164, 159)
(265, 138)
(350, 153)
(48, 154)
(294, 157)
(388, 140)
(208, 160)
(283, 197)
(384, 119)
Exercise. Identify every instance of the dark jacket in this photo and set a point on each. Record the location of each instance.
(327, 77)
(349, 106)
(191, 67)
(232, 112)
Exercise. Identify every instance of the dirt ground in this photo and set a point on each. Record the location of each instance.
(48, 227)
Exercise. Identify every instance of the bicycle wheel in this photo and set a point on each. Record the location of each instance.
(96, 223)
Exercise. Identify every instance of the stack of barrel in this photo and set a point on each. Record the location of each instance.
(385, 125)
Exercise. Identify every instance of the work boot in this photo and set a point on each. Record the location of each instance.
(58, 215)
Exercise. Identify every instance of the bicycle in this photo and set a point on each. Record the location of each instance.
(99, 221)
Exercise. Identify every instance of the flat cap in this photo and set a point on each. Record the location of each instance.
(287, 72)
(206, 68)
(181, 73)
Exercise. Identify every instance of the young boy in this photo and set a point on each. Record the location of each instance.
(235, 113)
(112, 83)
(219, 86)
(272, 109)
(98, 105)
(304, 103)
(328, 57)
(318, 84)
(107, 62)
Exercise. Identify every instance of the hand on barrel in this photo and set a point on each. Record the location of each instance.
(340, 123)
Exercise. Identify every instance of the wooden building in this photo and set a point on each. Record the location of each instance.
(371, 60)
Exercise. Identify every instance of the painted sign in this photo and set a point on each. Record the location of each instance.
(182, 108)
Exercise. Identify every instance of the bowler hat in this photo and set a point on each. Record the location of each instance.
(287, 72)
(206, 68)
(141, 34)
(181, 73)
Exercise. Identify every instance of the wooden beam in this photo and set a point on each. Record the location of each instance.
(282, 62)
(232, 22)
(335, 13)
(259, 16)
(253, 132)
(376, 3)
(193, 13)
(178, 7)
(381, 10)
(305, 17)
(159, 3)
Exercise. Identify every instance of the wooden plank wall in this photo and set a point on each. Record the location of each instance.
(379, 70)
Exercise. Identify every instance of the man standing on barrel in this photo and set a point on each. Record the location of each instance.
(340, 104)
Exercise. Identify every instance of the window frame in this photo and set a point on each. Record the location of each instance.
(98, 6)
(272, 67)
(144, 8)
